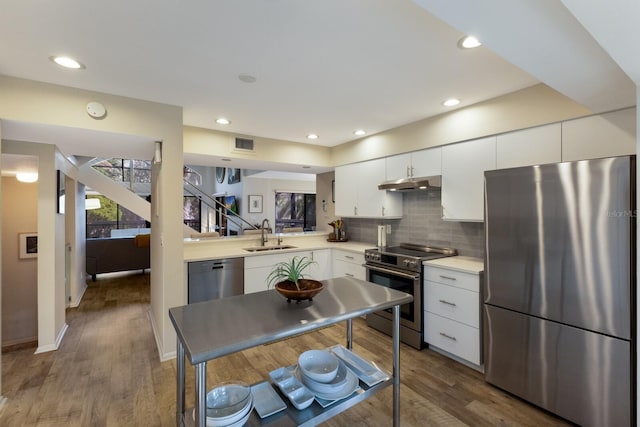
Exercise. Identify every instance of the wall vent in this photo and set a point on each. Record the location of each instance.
(244, 144)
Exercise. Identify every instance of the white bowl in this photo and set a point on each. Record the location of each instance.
(335, 385)
(319, 365)
(228, 402)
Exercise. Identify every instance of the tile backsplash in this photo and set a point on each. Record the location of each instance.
(422, 224)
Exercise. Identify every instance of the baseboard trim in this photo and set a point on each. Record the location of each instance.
(163, 356)
(20, 343)
(56, 345)
(79, 299)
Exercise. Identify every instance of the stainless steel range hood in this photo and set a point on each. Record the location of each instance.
(424, 183)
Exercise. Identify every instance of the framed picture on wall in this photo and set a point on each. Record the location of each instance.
(28, 245)
(233, 176)
(255, 204)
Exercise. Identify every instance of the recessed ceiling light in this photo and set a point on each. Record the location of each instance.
(468, 42)
(27, 176)
(247, 78)
(359, 132)
(67, 62)
(451, 102)
(223, 121)
(312, 136)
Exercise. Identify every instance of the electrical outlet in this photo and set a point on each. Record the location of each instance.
(388, 228)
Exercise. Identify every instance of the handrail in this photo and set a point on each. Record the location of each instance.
(216, 205)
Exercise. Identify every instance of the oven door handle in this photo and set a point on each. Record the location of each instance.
(397, 273)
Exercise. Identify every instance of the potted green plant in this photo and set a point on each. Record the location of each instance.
(288, 278)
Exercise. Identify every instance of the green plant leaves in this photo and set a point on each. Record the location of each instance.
(289, 270)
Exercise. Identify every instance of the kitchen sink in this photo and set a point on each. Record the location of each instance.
(268, 248)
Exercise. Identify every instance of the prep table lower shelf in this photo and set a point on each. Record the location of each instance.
(311, 416)
(216, 328)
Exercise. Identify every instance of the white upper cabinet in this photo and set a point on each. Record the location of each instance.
(346, 191)
(426, 162)
(529, 147)
(357, 194)
(604, 135)
(463, 167)
(417, 164)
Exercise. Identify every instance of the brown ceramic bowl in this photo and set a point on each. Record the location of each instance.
(308, 289)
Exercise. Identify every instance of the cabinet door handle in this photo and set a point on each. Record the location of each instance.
(448, 277)
(355, 210)
(383, 211)
(411, 170)
(348, 274)
(408, 173)
(452, 304)
(348, 257)
(448, 336)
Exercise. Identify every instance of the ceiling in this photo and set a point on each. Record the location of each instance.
(327, 67)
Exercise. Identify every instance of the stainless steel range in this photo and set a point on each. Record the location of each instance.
(400, 267)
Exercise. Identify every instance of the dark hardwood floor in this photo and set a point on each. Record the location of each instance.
(107, 373)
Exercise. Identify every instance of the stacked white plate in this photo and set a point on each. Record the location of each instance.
(229, 405)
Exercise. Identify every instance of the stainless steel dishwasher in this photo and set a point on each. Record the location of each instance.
(213, 279)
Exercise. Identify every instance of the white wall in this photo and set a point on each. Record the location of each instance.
(35, 102)
(325, 191)
(19, 276)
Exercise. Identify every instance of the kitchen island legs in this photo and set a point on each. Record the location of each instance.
(201, 377)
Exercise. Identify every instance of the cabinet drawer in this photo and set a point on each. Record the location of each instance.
(453, 337)
(347, 256)
(343, 268)
(453, 303)
(455, 278)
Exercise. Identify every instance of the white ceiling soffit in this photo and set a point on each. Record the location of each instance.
(615, 26)
(290, 176)
(544, 39)
(14, 163)
(255, 164)
(81, 142)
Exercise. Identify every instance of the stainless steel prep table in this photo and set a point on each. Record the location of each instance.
(216, 328)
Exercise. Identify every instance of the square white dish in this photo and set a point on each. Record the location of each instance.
(265, 399)
(366, 371)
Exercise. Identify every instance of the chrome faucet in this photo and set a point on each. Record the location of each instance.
(264, 239)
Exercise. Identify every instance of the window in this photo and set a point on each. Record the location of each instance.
(295, 210)
(121, 169)
(111, 216)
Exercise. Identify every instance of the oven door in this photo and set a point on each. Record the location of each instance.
(408, 282)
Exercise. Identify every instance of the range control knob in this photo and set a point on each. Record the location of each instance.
(405, 262)
(413, 263)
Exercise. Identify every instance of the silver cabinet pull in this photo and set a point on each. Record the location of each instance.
(349, 274)
(452, 304)
(348, 257)
(383, 211)
(448, 277)
(408, 173)
(448, 336)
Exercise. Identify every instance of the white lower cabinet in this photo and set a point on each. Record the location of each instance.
(258, 267)
(452, 312)
(350, 264)
(453, 337)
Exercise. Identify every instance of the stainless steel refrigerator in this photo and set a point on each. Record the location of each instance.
(559, 296)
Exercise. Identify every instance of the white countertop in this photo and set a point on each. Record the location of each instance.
(232, 247)
(465, 264)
